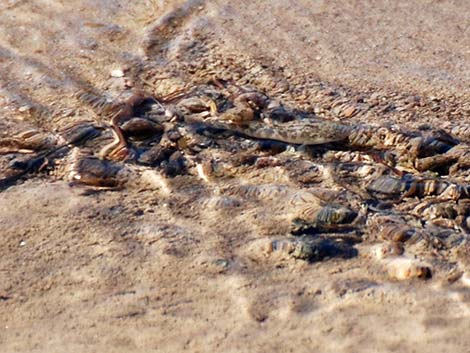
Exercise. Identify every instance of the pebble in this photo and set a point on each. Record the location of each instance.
(387, 250)
(349, 111)
(401, 268)
(24, 108)
(465, 279)
(117, 73)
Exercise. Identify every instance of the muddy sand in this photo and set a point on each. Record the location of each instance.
(211, 238)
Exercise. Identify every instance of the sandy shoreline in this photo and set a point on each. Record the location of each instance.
(171, 264)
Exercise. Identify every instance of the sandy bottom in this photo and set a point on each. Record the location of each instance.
(154, 268)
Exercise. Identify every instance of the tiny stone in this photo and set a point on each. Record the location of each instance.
(465, 279)
(348, 112)
(22, 243)
(117, 73)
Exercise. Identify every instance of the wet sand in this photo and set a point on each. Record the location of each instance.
(139, 270)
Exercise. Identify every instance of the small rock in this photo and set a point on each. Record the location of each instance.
(24, 108)
(117, 73)
(454, 276)
(349, 111)
(388, 249)
(465, 279)
(402, 268)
